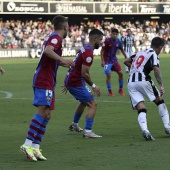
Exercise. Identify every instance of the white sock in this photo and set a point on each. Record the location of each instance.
(28, 142)
(142, 121)
(88, 131)
(36, 146)
(163, 113)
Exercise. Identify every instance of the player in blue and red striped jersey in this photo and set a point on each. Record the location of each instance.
(44, 83)
(76, 80)
(110, 62)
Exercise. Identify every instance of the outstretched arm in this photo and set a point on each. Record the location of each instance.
(158, 77)
(128, 62)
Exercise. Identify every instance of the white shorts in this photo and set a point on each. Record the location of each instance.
(139, 90)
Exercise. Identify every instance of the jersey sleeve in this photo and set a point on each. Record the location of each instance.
(155, 60)
(54, 41)
(87, 57)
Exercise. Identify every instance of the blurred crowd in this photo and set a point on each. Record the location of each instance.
(31, 34)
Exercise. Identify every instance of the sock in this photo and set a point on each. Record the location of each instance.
(142, 121)
(121, 82)
(41, 132)
(36, 146)
(89, 123)
(34, 127)
(76, 117)
(163, 113)
(108, 84)
(28, 142)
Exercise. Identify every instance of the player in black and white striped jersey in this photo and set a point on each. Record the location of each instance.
(140, 85)
(128, 43)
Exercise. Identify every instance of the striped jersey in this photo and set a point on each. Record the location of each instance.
(142, 64)
(83, 57)
(46, 71)
(128, 42)
(110, 48)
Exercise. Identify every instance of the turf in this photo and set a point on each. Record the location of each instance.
(122, 146)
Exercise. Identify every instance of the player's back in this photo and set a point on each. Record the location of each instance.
(84, 57)
(142, 65)
(45, 74)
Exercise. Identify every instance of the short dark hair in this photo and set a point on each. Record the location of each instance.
(95, 32)
(157, 42)
(115, 30)
(58, 22)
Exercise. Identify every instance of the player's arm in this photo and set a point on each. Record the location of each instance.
(128, 62)
(102, 58)
(134, 44)
(158, 76)
(49, 51)
(85, 74)
(2, 70)
(121, 49)
(123, 52)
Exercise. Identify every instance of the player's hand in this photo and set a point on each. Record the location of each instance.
(103, 63)
(96, 91)
(64, 90)
(162, 91)
(67, 63)
(2, 70)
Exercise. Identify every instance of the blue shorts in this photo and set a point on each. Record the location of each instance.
(107, 68)
(112, 67)
(43, 97)
(82, 93)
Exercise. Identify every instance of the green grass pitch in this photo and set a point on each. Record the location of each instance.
(122, 146)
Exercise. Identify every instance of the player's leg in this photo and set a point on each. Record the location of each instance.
(77, 115)
(163, 113)
(153, 94)
(126, 68)
(137, 101)
(39, 122)
(91, 110)
(107, 71)
(142, 120)
(118, 69)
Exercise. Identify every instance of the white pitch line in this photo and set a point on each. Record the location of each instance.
(8, 94)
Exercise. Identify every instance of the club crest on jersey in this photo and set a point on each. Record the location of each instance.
(48, 99)
(88, 59)
(54, 41)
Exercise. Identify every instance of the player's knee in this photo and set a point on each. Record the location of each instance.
(142, 110)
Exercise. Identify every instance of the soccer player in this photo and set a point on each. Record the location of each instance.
(44, 82)
(76, 80)
(2, 70)
(140, 85)
(128, 42)
(110, 62)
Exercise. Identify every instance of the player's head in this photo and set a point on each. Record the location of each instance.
(95, 37)
(61, 23)
(114, 33)
(157, 44)
(129, 32)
